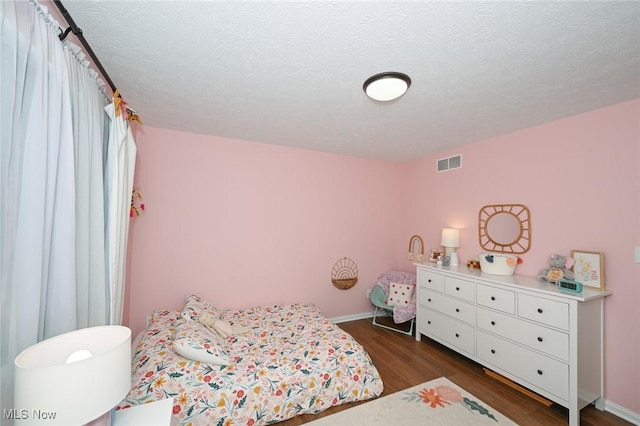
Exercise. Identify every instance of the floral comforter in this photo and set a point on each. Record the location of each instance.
(293, 361)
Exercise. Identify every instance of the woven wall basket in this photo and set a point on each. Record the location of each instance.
(344, 274)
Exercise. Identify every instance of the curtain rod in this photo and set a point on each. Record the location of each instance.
(78, 33)
(133, 114)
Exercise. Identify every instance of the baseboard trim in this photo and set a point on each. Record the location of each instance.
(623, 413)
(354, 317)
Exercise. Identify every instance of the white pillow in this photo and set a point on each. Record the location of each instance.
(399, 294)
(195, 341)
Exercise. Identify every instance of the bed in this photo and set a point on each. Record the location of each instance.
(287, 360)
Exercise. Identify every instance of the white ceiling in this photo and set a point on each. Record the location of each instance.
(291, 72)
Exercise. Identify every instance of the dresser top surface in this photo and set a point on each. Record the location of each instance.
(515, 281)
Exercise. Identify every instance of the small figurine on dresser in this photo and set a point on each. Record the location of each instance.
(560, 267)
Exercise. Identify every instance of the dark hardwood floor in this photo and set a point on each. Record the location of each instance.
(403, 362)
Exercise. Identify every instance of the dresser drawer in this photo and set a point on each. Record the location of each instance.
(496, 298)
(544, 311)
(431, 280)
(546, 373)
(453, 332)
(455, 308)
(465, 290)
(538, 337)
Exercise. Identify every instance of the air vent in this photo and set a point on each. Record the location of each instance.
(449, 163)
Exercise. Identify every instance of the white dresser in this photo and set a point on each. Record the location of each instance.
(546, 339)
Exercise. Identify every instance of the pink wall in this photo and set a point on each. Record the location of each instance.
(580, 178)
(247, 224)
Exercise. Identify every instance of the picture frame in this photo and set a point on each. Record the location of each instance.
(588, 268)
(435, 254)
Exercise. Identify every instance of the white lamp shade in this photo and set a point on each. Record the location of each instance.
(51, 391)
(450, 237)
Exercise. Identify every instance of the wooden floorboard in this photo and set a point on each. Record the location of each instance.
(403, 362)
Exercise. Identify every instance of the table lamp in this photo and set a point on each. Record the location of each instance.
(450, 240)
(73, 378)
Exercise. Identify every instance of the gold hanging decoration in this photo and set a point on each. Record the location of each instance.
(121, 107)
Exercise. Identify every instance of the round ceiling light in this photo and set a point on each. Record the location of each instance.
(386, 86)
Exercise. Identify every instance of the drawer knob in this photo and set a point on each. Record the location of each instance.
(457, 310)
(493, 351)
(428, 322)
(540, 339)
(457, 288)
(457, 335)
(429, 300)
(493, 298)
(493, 323)
(540, 372)
(429, 280)
(539, 310)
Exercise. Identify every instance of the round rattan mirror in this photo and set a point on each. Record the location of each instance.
(505, 228)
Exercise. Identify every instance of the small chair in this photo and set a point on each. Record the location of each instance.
(401, 313)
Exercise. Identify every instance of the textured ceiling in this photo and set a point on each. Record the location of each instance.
(291, 72)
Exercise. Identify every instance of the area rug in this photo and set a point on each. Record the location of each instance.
(438, 402)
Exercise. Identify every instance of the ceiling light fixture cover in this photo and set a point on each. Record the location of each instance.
(386, 86)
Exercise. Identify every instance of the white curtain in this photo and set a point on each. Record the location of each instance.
(55, 254)
(121, 156)
(89, 126)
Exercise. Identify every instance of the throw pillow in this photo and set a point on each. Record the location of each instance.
(399, 294)
(165, 315)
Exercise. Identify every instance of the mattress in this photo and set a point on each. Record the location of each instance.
(292, 361)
